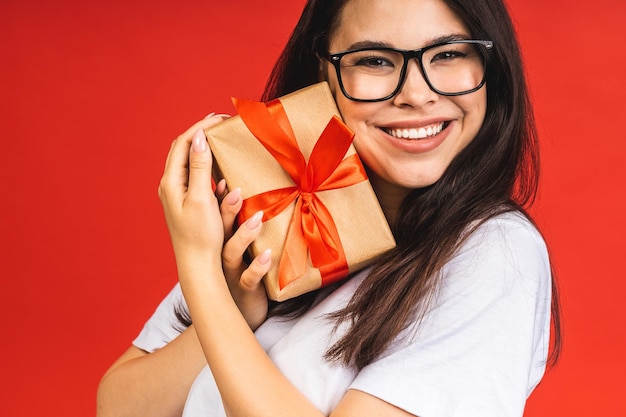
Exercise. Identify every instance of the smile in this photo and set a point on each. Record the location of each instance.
(416, 133)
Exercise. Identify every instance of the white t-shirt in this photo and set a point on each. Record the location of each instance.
(479, 352)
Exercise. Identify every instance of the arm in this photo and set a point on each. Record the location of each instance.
(157, 384)
(151, 384)
(249, 382)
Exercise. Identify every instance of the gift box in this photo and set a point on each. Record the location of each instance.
(293, 158)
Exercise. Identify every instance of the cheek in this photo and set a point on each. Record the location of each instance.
(357, 115)
(352, 114)
(474, 107)
(481, 107)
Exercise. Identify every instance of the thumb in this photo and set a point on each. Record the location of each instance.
(200, 163)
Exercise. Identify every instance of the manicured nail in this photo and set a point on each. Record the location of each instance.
(209, 115)
(254, 221)
(233, 197)
(199, 141)
(265, 257)
(221, 188)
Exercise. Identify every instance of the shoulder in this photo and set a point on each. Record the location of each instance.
(501, 272)
(506, 242)
(513, 228)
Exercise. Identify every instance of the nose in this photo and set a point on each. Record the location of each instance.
(415, 90)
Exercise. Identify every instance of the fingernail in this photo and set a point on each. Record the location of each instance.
(254, 221)
(233, 197)
(199, 141)
(221, 187)
(209, 115)
(265, 257)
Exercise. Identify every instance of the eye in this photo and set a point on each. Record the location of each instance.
(448, 55)
(451, 54)
(372, 61)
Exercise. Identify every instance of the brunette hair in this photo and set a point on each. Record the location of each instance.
(497, 172)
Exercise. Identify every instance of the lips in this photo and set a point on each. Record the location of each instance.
(416, 133)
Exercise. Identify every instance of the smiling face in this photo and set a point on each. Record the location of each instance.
(408, 141)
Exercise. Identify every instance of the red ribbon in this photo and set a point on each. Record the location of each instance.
(312, 229)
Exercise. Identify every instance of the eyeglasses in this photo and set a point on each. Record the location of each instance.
(450, 68)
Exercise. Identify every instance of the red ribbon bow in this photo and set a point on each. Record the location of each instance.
(312, 229)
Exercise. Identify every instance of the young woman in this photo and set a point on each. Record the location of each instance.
(453, 322)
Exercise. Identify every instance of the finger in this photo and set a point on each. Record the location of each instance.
(200, 164)
(235, 247)
(231, 204)
(175, 177)
(220, 189)
(251, 278)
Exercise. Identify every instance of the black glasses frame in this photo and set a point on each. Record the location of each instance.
(335, 60)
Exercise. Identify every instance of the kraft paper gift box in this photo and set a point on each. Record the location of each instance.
(293, 158)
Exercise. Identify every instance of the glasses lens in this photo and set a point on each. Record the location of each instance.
(374, 74)
(454, 68)
(371, 74)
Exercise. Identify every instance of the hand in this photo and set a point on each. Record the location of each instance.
(192, 217)
(243, 281)
(191, 208)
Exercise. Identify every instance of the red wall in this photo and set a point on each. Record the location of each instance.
(90, 98)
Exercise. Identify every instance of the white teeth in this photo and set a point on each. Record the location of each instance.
(420, 133)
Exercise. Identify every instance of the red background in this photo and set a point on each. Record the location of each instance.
(91, 96)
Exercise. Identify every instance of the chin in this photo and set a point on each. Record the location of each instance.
(417, 181)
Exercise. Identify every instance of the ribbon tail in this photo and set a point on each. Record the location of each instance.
(336, 268)
(320, 234)
(293, 260)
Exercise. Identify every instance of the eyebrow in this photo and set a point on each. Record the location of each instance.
(367, 44)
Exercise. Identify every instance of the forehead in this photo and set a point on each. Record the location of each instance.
(405, 24)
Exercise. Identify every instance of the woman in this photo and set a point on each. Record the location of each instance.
(454, 321)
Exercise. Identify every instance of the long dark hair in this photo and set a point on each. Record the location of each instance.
(497, 172)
